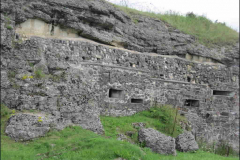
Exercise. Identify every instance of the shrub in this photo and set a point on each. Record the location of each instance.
(224, 149)
(25, 77)
(11, 74)
(5, 111)
(191, 14)
(39, 74)
(166, 115)
(9, 27)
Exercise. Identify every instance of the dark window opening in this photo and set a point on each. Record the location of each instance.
(17, 36)
(114, 93)
(188, 79)
(225, 114)
(207, 115)
(223, 93)
(181, 55)
(191, 103)
(133, 100)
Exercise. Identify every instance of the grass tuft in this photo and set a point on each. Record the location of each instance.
(39, 74)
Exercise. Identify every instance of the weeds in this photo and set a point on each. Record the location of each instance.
(59, 77)
(30, 64)
(224, 149)
(160, 118)
(8, 23)
(221, 148)
(9, 27)
(39, 74)
(5, 111)
(11, 74)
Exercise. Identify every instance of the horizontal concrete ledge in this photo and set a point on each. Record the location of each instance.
(139, 70)
(173, 81)
(106, 65)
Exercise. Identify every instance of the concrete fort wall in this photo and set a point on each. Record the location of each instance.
(121, 82)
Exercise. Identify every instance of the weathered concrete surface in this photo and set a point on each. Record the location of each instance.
(157, 141)
(186, 142)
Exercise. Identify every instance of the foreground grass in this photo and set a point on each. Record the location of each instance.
(75, 143)
(207, 32)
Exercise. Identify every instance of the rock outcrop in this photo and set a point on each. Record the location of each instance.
(157, 141)
(22, 127)
(102, 22)
(186, 142)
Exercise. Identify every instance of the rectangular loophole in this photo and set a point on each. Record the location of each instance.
(115, 93)
(134, 100)
(223, 93)
(191, 103)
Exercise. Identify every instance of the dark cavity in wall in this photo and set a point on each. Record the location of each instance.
(135, 100)
(191, 103)
(223, 93)
(115, 93)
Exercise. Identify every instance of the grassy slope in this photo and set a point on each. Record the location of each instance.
(74, 143)
(207, 32)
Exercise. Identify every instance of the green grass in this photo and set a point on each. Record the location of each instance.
(9, 27)
(204, 30)
(160, 118)
(75, 143)
(39, 74)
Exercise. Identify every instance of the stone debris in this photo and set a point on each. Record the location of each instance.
(139, 125)
(157, 141)
(22, 127)
(186, 142)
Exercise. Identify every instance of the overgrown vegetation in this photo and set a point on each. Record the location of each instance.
(222, 148)
(59, 77)
(39, 74)
(5, 111)
(204, 30)
(8, 22)
(11, 74)
(76, 143)
(160, 118)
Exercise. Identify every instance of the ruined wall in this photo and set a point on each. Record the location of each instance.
(49, 67)
(120, 82)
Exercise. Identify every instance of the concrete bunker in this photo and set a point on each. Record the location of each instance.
(115, 93)
(191, 103)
